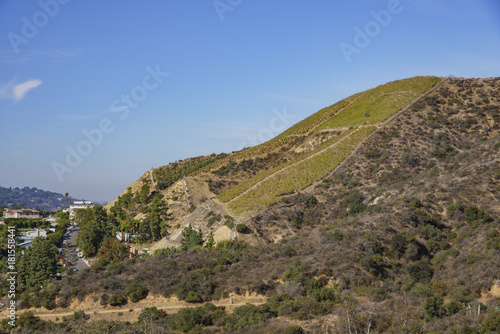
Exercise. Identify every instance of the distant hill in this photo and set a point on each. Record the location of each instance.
(33, 197)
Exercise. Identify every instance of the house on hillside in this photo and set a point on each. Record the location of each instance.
(78, 205)
(22, 213)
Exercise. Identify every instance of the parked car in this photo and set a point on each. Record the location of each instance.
(79, 254)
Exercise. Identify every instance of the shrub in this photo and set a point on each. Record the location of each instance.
(104, 299)
(335, 236)
(199, 281)
(420, 272)
(151, 313)
(246, 316)
(193, 297)
(434, 308)
(288, 251)
(399, 243)
(294, 329)
(373, 154)
(80, 315)
(242, 228)
(230, 222)
(136, 292)
(324, 294)
(227, 244)
(189, 318)
(296, 273)
(409, 160)
(473, 213)
(117, 300)
(491, 323)
(452, 308)
(374, 264)
(378, 294)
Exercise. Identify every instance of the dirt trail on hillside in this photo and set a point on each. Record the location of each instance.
(131, 312)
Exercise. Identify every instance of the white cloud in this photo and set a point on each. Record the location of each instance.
(16, 92)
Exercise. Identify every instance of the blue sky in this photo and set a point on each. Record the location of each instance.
(152, 82)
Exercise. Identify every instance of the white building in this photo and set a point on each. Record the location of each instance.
(78, 205)
(22, 213)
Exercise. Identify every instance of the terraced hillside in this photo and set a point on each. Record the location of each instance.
(246, 181)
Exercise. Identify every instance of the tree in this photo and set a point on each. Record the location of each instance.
(112, 250)
(37, 264)
(434, 308)
(56, 238)
(210, 242)
(95, 228)
(144, 193)
(158, 213)
(67, 202)
(61, 225)
(191, 238)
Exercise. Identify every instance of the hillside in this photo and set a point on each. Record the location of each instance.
(32, 197)
(241, 183)
(380, 214)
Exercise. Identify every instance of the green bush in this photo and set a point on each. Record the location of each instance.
(246, 316)
(227, 244)
(335, 236)
(193, 297)
(199, 281)
(374, 264)
(190, 318)
(399, 242)
(117, 300)
(420, 272)
(434, 308)
(104, 299)
(294, 329)
(229, 222)
(77, 315)
(296, 273)
(136, 292)
(474, 214)
(242, 228)
(491, 323)
(452, 308)
(151, 313)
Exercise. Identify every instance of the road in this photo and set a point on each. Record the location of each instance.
(70, 253)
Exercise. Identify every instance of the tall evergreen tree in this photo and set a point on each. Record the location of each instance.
(158, 214)
(95, 226)
(191, 238)
(37, 264)
(210, 241)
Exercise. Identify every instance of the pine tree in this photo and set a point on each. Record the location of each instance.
(191, 238)
(210, 242)
(95, 227)
(158, 213)
(37, 264)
